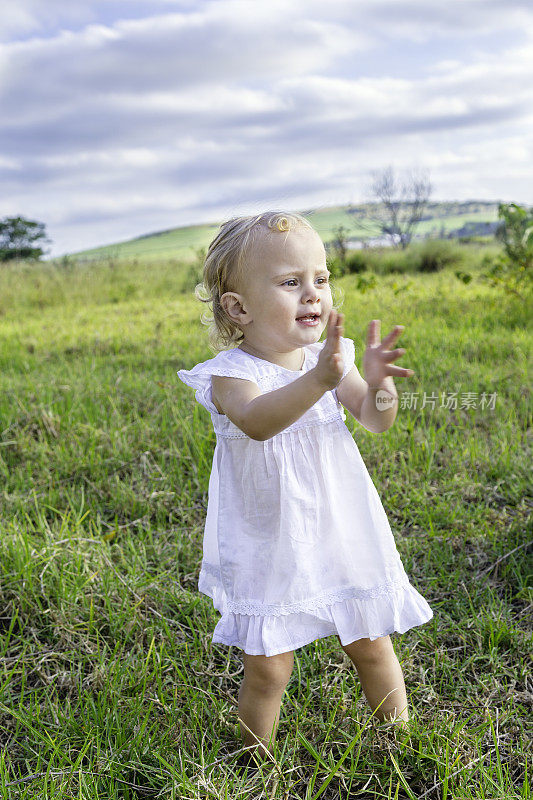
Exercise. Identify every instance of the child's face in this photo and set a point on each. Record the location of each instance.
(286, 278)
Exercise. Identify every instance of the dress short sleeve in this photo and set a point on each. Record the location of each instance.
(199, 377)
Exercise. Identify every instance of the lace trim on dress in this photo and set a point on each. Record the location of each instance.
(330, 418)
(226, 372)
(250, 607)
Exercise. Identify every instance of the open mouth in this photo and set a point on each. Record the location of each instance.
(309, 319)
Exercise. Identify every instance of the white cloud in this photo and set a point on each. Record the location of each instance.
(27, 17)
(127, 125)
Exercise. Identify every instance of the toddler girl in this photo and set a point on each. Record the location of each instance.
(297, 545)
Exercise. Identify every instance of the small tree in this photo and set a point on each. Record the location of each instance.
(516, 232)
(339, 242)
(401, 203)
(19, 238)
(512, 270)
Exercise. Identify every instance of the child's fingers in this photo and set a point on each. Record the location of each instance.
(335, 331)
(335, 321)
(338, 330)
(329, 329)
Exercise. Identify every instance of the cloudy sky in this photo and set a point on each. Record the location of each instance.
(123, 117)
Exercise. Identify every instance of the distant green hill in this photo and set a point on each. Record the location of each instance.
(185, 242)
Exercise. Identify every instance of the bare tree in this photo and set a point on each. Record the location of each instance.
(401, 202)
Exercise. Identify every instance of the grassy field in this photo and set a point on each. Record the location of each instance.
(183, 243)
(109, 684)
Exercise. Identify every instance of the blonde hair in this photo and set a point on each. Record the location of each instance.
(224, 268)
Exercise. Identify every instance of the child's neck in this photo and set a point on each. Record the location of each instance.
(293, 359)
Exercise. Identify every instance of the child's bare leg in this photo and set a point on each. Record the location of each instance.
(265, 679)
(379, 671)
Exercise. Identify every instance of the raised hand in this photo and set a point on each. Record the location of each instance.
(377, 356)
(330, 365)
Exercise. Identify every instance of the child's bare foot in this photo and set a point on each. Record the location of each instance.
(248, 762)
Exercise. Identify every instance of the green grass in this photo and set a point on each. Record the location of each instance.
(108, 678)
(182, 242)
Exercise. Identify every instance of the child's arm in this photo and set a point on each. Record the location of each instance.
(376, 412)
(359, 399)
(261, 416)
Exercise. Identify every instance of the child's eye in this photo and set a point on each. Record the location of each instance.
(292, 280)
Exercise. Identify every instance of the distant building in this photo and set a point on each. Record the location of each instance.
(376, 241)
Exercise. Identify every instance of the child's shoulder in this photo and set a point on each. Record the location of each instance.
(235, 359)
(226, 363)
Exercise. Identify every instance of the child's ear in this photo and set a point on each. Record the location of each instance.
(233, 305)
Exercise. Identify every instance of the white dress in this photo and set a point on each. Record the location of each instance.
(297, 545)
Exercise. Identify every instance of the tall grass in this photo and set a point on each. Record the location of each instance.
(430, 255)
(109, 684)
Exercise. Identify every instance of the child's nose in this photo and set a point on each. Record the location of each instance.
(311, 292)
